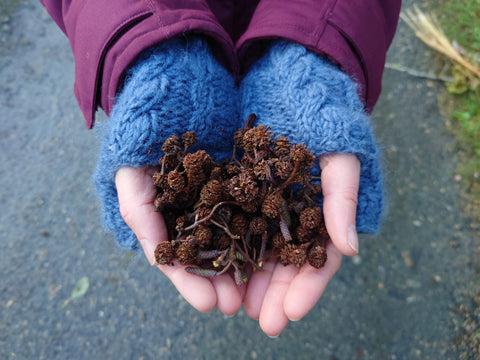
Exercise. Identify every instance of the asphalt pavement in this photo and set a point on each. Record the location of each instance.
(393, 301)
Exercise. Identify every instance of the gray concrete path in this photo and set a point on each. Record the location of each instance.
(393, 301)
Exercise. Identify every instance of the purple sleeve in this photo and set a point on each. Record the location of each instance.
(106, 37)
(354, 34)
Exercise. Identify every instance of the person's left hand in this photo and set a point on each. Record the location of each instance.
(136, 194)
(283, 293)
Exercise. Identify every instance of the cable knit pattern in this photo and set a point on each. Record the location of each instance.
(303, 96)
(172, 88)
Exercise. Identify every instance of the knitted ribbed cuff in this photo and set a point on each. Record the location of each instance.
(303, 96)
(172, 88)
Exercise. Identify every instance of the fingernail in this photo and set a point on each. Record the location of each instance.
(352, 238)
(149, 250)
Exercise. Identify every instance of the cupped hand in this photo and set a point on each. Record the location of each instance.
(283, 293)
(273, 296)
(136, 194)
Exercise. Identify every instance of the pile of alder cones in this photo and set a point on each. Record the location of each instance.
(236, 214)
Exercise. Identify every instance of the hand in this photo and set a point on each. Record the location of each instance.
(282, 293)
(136, 194)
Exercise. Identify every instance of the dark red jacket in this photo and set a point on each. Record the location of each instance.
(107, 35)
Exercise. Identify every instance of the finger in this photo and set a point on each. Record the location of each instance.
(136, 194)
(340, 179)
(272, 317)
(308, 286)
(196, 290)
(229, 299)
(256, 289)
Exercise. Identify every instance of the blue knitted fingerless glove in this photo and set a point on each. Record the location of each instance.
(172, 88)
(304, 97)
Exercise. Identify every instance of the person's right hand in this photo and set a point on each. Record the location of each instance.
(136, 194)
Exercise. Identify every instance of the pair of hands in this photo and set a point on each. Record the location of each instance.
(279, 293)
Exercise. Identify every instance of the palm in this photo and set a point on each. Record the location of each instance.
(282, 293)
(136, 194)
(278, 293)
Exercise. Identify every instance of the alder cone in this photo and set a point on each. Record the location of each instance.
(293, 254)
(317, 256)
(232, 216)
(189, 138)
(258, 225)
(310, 218)
(203, 236)
(176, 181)
(211, 193)
(164, 253)
(272, 205)
(186, 253)
(239, 224)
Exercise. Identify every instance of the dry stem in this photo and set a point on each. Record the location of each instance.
(428, 30)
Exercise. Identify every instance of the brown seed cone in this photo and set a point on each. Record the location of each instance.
(261, 169)
(298, 257)
(211, 193)
(242, 188)
(186, 253)
(259, 137)
(281, 146)
(258, 225)
(249, 140)
(160, 180)
(189, 138)
(164, 199)
(194, 162)
(176, 180)
(317, 256)
(310, 218)
(272, 205)
(168, 197)
(203, 236)
(284, 167)
(171, 145)
(293, 254)
(164, 253)
(239, 224)
(170, 161)
(299, 152)
(284, 255)
(203, 212)
(180, 223)
(278, 241)
(302, 234)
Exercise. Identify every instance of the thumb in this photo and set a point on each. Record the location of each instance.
(136, 194)
(340, 179)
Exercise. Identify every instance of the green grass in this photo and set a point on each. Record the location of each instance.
(460, 20)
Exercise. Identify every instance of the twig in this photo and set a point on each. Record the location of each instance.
(427, 29)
